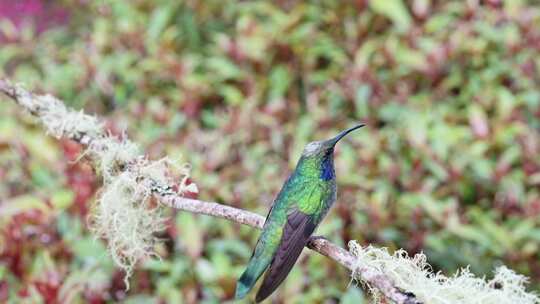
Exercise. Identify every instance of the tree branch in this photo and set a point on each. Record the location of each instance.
(40, 106)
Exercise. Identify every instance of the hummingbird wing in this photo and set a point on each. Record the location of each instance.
(298, 229)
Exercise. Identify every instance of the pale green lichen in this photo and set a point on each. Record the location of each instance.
(124, 213)
(61, 121)
(126, 217)
(113, 156)
(415, 275)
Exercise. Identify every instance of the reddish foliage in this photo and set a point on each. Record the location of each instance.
(93, 297)
(42, 14)
(80, 176)
(188, 193)
(26, 233)
(4, 291)
(118, 287)
(19, 235)
(49, 286)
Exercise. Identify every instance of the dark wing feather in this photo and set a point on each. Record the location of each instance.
(298, 229)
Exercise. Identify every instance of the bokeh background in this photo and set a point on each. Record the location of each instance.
(449, 163)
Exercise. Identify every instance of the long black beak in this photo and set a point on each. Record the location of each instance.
(333, 141)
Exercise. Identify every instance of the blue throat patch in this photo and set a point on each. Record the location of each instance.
(327, 168)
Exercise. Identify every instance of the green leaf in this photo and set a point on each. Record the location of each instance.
(280, 81)
(361, 100)
(21, 204)
(231, 94)
(353, 295)
(158, 21)
(62, 199)
(395, 10)
(190, 233)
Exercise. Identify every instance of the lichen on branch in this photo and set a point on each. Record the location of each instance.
(123, 213)
(415, 275)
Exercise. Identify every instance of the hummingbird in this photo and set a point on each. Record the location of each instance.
(301, 204)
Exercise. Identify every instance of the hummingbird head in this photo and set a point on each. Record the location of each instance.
(325, 147)
(318, 156)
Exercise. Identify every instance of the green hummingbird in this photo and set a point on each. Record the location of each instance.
(297, 210)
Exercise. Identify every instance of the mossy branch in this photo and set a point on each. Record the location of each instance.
(130, 180)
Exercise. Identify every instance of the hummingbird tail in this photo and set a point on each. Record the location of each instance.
(243, 286)
(256, 266)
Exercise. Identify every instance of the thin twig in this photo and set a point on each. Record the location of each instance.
(376, 279)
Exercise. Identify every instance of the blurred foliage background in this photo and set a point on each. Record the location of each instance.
(449, 164)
